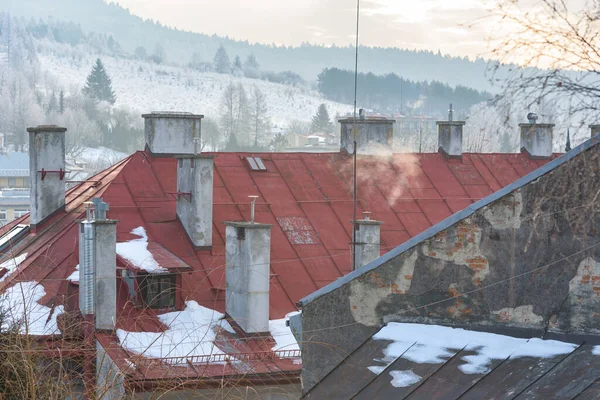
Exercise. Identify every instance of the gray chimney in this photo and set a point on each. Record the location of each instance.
(248, 267)
(171, 133)
(195, 197)
(536, 139)
(450, 135)
(46, 171)
(368, 240)
(98, 266)
(595, 130)
(372, 134)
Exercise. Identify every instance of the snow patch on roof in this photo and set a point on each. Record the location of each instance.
(12, 264)
(136, 252)
(190, 332)
(74, 277)
(404, 378)
(431, 343)
(284, 338)
(20, 302)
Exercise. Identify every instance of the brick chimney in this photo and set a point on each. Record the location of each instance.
(169, 133)
(536, 139)
(248, 267)
(373, 135)
(368, 240)
(450, 136)
(46, 171)
(195, 197)
(98, 266)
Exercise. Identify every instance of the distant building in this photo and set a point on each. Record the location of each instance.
(14, 170)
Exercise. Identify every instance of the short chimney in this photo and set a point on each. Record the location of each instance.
(536, 139)
(46, 171)
(373, 135)
(170, 133)
(195, 197)
(368, 240)
(97, 266)
(248, 266)
(450, 136)
(594, 130)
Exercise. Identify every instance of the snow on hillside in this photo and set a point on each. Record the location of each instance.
(144, 87)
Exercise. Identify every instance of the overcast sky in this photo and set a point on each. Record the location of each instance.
(415, 24)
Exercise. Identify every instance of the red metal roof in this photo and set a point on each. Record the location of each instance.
(307, 197)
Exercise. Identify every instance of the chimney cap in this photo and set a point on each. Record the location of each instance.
(532, 117)
(457, 123)
(172, 114)
(46, 128)
(194, 156)
(369, 120)
(526, 125)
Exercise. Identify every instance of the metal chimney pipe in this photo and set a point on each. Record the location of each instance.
(367, 215)
(252, 204)
(450, 113)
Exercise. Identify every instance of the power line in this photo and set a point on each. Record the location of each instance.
(355, 200)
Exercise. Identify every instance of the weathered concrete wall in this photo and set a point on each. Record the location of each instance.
(527, 260)
(373, 135)
(106, 273)
(195, 210)
(109, 379)
(171, 132)
(248, 259)
(46, 151)
(283, 392)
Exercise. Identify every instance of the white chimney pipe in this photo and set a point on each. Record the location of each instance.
(195, 197)
(98, 267)
(368, 240)
(46, 171)
(170, 133)
(248, 268)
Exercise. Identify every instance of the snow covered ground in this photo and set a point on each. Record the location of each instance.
(144, 87)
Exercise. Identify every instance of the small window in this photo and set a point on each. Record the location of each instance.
(12, 182)
(3, 215)
(256, 164)
(158, 291)
(20, 213)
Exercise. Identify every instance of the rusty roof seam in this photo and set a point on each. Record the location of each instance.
(448, 222)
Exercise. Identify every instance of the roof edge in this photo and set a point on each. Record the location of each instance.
(451, 220)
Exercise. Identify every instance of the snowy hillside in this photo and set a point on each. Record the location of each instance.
(143, 87)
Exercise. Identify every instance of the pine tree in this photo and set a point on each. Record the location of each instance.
(321, 121)
(98, 85)
(52, 104)
(237, 63)
(221, 61)
(61, 102)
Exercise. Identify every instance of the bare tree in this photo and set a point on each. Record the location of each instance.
(562, 40)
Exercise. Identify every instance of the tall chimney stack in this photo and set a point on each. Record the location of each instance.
(536, 139)
(368, 240)
(98, 267)
(373, 135)
(450, 136)
(248, 267)
(170, 133)
(195, 197)
(46, 171)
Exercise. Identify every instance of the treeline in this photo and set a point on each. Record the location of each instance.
(392, 93)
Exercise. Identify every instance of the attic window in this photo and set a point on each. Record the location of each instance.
(158, 291)
(256, 164)
(10, 238)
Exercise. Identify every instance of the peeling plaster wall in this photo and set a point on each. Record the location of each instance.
(529, 260)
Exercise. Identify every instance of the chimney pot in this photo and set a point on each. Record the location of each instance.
(248, 267)
(172, 133)
(450, 136)
(252, 205)
(536, 139)
(368, 240)
(47, 154)
(372, 135)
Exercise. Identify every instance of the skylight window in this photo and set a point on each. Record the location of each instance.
(12, 237)
(256, 164)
